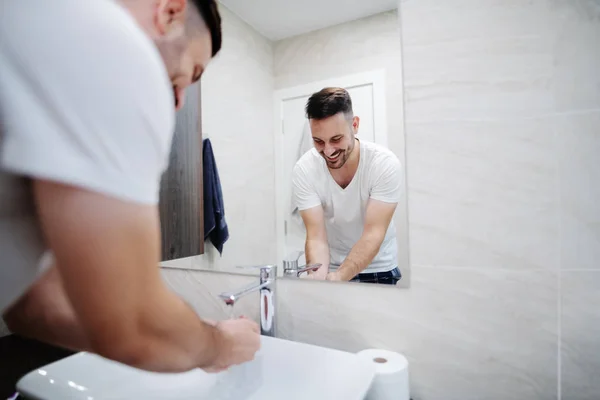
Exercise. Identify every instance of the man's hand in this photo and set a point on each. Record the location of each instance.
(317, 275)
(239, 342)
(334, 276)
(314, 276)
(377, 220)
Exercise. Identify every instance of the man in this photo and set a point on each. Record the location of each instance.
(87, 90)
(346, 191)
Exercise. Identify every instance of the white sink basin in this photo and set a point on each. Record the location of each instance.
(282, 370)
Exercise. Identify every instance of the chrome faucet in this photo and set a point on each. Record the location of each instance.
(266, 289)
(291, 268)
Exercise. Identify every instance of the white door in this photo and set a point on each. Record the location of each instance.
(294, 139)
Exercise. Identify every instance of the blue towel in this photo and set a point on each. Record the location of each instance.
(215, 227)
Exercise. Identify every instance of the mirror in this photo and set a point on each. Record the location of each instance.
(340, 169)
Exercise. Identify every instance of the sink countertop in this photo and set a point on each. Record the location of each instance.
(281, 369)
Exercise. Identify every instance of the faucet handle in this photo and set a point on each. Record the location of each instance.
(295, 271)
(306, 268)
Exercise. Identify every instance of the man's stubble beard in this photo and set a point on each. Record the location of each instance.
(344, 157)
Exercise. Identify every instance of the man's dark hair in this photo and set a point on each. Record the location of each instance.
(209, 11)
(328, 102)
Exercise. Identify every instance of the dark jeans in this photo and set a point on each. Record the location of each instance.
(384, 278)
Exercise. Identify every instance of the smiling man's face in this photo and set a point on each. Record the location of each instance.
(333, 138)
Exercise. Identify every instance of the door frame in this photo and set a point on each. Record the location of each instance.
(376, 78)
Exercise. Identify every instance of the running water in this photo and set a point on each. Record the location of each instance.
(231, 311)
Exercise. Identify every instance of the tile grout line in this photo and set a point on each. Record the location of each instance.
(503, 119)
(558, 188)
(580, 270)
(502, 269)
(559, 331)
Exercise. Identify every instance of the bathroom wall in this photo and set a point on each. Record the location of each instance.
(503, 139)
(366, 44)
(502, 127)
(237, 116)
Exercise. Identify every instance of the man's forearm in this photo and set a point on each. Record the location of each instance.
(169, 333)
(55, 327)
(360, 256)
(317, 252)
(170, 338)
(44, 313)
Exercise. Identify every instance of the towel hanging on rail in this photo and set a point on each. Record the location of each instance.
(215, 226)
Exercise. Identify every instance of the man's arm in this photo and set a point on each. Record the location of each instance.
(107, 253)
(377, 220)
(317, 246)
(386, 173)
(45, 313)
(308, 202)
(110, 134)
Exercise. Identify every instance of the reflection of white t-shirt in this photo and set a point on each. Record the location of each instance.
(85, 100)
(379, 177)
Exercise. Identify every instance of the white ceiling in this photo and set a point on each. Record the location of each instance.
(278, 19)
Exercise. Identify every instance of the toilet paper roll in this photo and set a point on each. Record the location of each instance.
(391, 375)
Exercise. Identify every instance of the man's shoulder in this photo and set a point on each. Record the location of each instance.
(308, 161)
(378, 154)
(86, 75)
(93, 45)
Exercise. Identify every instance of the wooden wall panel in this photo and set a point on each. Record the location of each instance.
(181, 195)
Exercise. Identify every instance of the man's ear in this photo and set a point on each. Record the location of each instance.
(355, 124)
(170, 15)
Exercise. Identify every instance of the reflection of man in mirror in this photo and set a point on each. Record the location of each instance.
(346, 191)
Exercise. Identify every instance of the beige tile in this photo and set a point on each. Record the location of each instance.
(483, 194)
(577, 55)
(485, 59)
(426, 22)
(580, 335)
(479, 79)
(578, 138)
(201, 291)
(468, 334)
(477, 59)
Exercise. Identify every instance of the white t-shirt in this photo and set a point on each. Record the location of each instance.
(379, 177)
(85, 100)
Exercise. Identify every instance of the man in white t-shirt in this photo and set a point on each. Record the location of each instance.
(347, 191)
(87, 95)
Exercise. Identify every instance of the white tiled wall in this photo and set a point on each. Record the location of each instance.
(503, 141)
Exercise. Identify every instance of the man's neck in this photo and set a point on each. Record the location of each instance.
(343, 176)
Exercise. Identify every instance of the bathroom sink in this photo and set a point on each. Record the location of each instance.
(281, 370)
